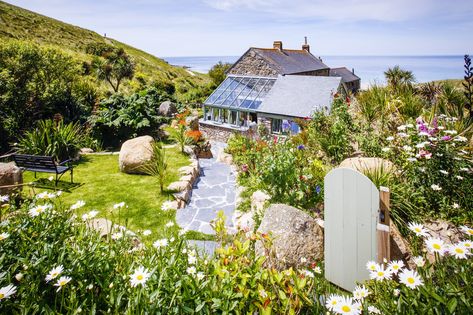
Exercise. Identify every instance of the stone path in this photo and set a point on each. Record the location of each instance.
(212, 192)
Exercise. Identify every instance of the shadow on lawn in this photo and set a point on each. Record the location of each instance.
(63, 185)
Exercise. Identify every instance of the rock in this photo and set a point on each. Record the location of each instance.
(186, 178)
(193, 122)
(135, 153)
(10, 174)
(187, 170)
(224, 157)
(178, 186)
(296, 235)
(367, 164)
(167, 109)
(85, 151)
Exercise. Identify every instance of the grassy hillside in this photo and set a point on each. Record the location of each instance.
(21, 24)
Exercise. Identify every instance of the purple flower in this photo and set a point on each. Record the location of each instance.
(446, 138)
(318, 189)
(300, 147)
(244, 168)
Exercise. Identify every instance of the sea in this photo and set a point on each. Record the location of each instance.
(369, 68)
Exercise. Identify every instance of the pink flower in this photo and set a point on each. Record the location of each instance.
(446, 138)
(244, 168)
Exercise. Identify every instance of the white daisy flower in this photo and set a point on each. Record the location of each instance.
(139, 277)
(169, 224)
(117, 235)
(407, 148)
(401, 128)
(168, 205)
(78, 204)
(459, 177)
(435, 187)
(7, 291)
(191, 259)
(467, 244)
(4, 235)
(459, 251)
(450, 132)
(45, 195)
(90, 215)
(373, 310)
(200, 275)
(436, 245)
(333, 301)
(444, 172)
(191, 270)
(360, 292)
(418, 229)
(146, 232)
(119, 205)
(460, 138)
(348, 306)
(371, 266)
(62, 282)
(467, 230)
(161, 243)
(380, 273)
(423, 134)
(419, 261)
(390, 138)
(37, 210)
(54, 273)
(307, 273)
(410, 278)
(396, 266)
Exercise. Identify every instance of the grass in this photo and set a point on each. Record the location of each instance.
(101, 185)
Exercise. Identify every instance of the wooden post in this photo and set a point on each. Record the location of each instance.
(384, 244)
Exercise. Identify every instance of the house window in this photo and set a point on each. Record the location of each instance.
(276, 125)
(207, 113)
(233, 117)
(243, 121)
(224, 115)
(216, 114)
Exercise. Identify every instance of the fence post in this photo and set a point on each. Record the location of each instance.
(384, 244)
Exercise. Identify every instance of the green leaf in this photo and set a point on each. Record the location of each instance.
(452, 305)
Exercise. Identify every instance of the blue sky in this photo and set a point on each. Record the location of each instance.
(229, 27)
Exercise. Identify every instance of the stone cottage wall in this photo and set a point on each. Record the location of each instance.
(218, 133)
(254, 64)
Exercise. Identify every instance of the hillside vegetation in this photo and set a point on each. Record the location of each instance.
(20, 24)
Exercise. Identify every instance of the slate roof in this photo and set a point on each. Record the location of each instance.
(347, 75)
(300, 95)
(288, 61)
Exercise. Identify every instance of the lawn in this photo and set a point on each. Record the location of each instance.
(102, 185)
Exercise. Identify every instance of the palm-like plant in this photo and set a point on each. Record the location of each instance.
(114, 67)
(398, 78)
(157, 166)
(179, 135)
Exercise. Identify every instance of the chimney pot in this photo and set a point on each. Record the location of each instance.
(277, 45)
(353, 70)
(306, 46)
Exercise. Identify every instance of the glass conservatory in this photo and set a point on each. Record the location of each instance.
(236, 101)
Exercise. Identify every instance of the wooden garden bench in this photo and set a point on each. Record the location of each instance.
(43, 164)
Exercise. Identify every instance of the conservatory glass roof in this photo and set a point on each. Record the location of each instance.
(241, 92)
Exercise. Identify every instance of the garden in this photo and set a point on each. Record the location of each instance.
(54, 261)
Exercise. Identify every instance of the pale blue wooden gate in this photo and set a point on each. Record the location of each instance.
(351, 214)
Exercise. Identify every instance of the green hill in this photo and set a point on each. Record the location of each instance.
(21, 24)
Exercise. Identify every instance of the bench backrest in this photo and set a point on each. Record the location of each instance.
(35, 161)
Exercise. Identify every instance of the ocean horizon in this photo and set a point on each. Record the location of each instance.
(369, 68)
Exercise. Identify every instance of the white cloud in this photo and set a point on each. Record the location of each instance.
(347, 10)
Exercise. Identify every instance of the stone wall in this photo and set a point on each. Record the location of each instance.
(254, 64)
(217, 133)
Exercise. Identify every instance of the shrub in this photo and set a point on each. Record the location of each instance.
(158, 165)
(55, 138)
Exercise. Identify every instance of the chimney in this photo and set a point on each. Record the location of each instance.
(277, 45)
(353, 70)
(306, 46)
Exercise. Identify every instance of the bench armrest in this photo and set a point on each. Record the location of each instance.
(65, 162)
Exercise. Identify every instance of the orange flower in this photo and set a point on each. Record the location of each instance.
(194, 134)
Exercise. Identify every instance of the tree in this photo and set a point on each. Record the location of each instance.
(114, 67)
(217, 72)
(398, 78)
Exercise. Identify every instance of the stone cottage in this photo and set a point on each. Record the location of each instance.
(272, 87)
